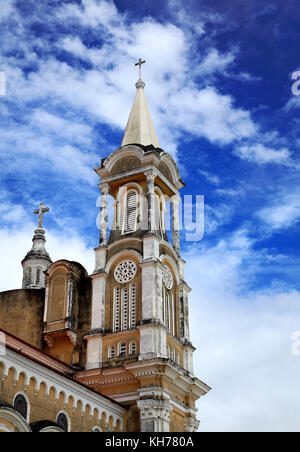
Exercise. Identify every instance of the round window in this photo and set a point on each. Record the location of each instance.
(168, 278)
(125, 271)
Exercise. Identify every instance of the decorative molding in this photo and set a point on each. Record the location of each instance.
(61, 384)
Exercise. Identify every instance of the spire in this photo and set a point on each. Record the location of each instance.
(140, 128)
(37, 260)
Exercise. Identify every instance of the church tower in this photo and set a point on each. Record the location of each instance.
(37, 261)
(138, 350)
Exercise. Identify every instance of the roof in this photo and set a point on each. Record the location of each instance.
(140, 128)
(49, 362)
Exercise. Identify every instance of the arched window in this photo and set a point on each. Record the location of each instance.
(132, 348)
(63, 422)
(111, 352)
(130, 223)
(168, 301)
(96, 430)
(124, 297)
(29, 276)
(21, 406)
(122, 349)
(38, 277)
(132, 306)
(173, 355)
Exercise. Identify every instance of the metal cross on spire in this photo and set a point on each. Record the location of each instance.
(40, 212)
(140, 63)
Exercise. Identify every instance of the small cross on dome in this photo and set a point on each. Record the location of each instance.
(41, 212)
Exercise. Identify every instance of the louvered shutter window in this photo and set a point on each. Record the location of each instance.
(132, 348)
(125, 309)
(131, 211)
(29, 275)
(111, 352)
(38, 276)
(122, 349)
(116, 309)
(132, 306)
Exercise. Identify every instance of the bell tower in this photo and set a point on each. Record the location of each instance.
(139, 350)
(37, 260)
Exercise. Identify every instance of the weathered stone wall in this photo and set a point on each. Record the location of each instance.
(21, 314)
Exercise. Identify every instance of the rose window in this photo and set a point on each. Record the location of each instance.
(125, 271)
(168, 278)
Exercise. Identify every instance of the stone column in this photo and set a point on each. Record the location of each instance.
(155, 415)
(175, 201)
(104, 189)
(151, 175)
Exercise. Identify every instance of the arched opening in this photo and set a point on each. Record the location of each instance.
(21, 405)
(122, 349)
(38, 276)
(132, 348)
(111, 352)
(29, 276)
(63, 422)
(131, 211)
(124, 296)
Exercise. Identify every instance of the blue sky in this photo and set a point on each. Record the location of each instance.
(218, 82)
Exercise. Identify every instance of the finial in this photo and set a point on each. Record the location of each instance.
(40, 212)
(140, 83)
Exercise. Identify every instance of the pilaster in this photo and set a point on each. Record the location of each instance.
(175, 201)
(153, 342)
(98, 301)
(155, 415)
(150, 176)
(104, 189)
(94, 351)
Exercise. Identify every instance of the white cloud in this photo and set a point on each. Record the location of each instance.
(215, 62)
(212, 115)
(91, 13)
(69, 130)
(106, 91)
(243, 341)
(261, 154)
(217, 215)
(231, 192)
(36, 150)
(6, 8)
(16, 242)
(283, 214)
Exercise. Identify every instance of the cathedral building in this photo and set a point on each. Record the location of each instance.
(110, 351)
